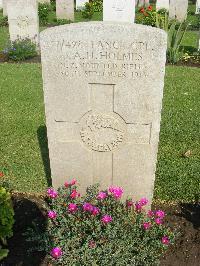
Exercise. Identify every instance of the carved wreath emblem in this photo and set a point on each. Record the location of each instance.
(101, 132)
(23, 21)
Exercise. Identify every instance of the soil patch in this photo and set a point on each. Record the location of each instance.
(189, 63)
(185, 218)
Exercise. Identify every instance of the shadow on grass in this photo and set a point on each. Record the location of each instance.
(28, 211)
(43, 142)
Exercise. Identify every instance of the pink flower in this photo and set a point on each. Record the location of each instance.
(116, 192)
(52, 193)
(138, 207)
(106, 219)
(160, 214)
(87, 207)
(150, 214)
(56, 253)
(102, 195)
(165, 240)
(143, 201)
(129, 203)
(92, 244)
(73, 182)
(74, 194)
(52, 214)
(95, 211)
(146, 225)
(72, 207)
(66, 184)
(158, 221)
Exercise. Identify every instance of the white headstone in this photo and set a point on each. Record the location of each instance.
(23, 19)
(65, 9)
(119, 10)
(178, 9)
(103, 87)
(140, 3)
(160, 4)
(1, 4)
(80, 4)
(197, 7)
(4, 4)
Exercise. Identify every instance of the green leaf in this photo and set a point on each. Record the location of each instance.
(3, 253)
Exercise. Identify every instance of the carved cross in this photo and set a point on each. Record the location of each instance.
(102, 131)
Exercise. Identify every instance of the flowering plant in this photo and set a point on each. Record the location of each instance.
(20, 49)
(6, 220)
(149, 16)
(99, 229)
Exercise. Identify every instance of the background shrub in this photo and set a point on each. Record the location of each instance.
(97, 5)
(3, 21)
(6, 220)
(53, 5)
(43, 13)
(61, 21)
(88, 11)
(20, 50)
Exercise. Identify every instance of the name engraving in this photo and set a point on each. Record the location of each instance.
(115, 59)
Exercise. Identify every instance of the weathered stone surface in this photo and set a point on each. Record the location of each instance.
(162, 4)
(119, 10)
(4, 5)
(140, 3)
(178, 9)
(65, 9)
(23, 19)
(103, 87)
(197, 7)
(80, 4)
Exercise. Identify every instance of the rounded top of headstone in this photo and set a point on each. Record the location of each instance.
(100, 28)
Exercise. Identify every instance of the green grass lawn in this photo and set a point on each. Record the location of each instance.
(23, 133)
(177, 176)
(190, 41)
(22, 114)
